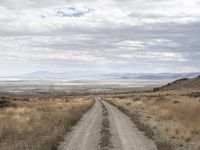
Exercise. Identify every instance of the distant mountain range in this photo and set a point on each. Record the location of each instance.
(150, 76)
(159, 76)
(48, 74)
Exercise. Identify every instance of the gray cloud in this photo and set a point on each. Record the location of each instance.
(131, 36)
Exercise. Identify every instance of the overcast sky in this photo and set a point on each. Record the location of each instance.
(99, 35)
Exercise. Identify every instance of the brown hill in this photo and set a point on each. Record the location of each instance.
(181, 84)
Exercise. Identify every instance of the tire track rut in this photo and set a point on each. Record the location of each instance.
(86, 134)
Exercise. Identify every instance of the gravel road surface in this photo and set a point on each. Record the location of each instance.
(125, 136)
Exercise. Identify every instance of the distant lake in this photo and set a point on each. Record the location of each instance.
(22, 84)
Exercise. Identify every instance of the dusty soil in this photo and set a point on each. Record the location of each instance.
(86, 134)
(124, 135)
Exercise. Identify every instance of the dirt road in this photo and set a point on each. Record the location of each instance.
(124, 135)
(86, 134)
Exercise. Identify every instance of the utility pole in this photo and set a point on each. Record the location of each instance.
(74, 91)
(51, 89)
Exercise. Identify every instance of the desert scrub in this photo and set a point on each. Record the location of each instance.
(194, 94)
(160, 98)
(146, 129)
(164, 145)
(41, 124)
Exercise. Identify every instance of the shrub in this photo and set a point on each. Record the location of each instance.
(160, 98)
(164, 145)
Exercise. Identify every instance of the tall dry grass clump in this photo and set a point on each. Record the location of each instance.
(188, 114)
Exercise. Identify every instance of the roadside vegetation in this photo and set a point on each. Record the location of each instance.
(38, 123)
(171, 119)
(105, 141)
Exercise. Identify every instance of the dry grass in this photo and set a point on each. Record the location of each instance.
(39, 124)
(185, 113)
(173, 116)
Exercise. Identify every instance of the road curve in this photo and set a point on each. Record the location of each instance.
(125, 136)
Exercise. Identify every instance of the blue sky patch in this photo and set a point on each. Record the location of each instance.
(72, 12)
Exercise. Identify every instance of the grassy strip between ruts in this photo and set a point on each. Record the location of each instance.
(105, 141)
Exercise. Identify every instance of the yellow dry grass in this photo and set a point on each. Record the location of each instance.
(40, 124)
(172, 116)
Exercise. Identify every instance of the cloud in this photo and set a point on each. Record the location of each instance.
(101, 35)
